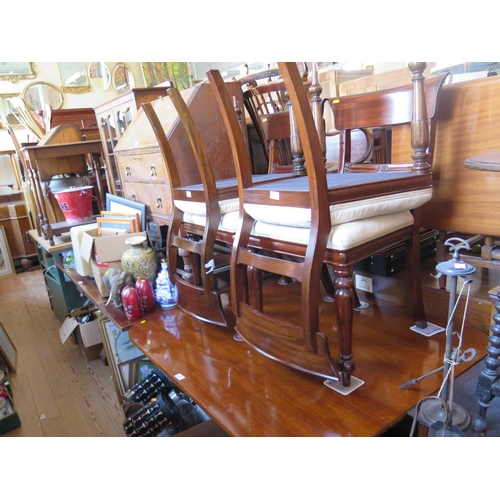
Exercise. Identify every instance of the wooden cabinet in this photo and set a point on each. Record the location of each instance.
(113, 118)
(14, 218)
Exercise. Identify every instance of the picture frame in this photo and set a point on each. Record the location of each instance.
(74, 77)
(111, 227)
(158, 73)
(7, 268)
(116, 203)
(135, 218)
(119, 350)
(8, 350)
(140, 368)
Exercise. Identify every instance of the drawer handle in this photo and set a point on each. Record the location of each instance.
(134, 197)
(153, 171)
(158, 202)
(127, 171)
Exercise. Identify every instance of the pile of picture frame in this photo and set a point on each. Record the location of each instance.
(113, 223)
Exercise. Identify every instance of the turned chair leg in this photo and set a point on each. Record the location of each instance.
(344, 305)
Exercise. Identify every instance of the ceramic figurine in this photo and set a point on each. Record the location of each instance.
(146, 294)
(131, 303)
(115, 280)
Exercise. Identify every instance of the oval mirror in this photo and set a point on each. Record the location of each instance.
(99, 76)
(38, 94)
(123, 79)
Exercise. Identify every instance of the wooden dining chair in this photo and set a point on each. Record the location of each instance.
(203, 221)
(334, 218)
(199, 290)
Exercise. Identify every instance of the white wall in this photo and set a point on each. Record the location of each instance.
(49, 72)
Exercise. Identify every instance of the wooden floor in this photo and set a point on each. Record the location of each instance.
(58, 393)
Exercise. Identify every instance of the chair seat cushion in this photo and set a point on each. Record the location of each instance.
(343, 212)
(228, 221)
(199, 208)
(342, 236)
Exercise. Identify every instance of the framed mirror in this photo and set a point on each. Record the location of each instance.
(99, 76)
(74, 77)
(38, 94)
(8, 114)
(123, 79)
(16, 71)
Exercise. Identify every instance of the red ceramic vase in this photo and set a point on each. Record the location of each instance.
(146, 294)
(131, 303)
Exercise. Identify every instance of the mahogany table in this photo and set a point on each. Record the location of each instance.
(485, 161)
(249, 394)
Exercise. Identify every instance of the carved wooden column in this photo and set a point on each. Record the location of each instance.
(488, 384)
(316, 107)
(420, 123)
(298, 161)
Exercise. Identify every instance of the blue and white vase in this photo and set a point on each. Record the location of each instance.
(166, 291)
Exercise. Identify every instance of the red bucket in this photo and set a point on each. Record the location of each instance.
(76, 204)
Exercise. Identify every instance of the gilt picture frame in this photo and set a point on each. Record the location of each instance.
(8, 350)
(158, 73)
(119, 350)
(7, 268)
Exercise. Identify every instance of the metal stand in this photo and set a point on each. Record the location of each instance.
(432, 409)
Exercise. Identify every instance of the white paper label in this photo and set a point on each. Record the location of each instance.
(274, 195)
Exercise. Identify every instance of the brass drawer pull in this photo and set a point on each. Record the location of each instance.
(134, 197)
(158, 202)
(153, 171)
(127, 171)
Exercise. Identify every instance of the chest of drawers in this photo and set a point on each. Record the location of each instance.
(113, 118)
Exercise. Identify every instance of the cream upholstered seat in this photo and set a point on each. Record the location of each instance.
(335, 218)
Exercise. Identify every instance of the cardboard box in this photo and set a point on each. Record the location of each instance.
(90, 333)
(92, 352)
(88, 336)
(103, 253)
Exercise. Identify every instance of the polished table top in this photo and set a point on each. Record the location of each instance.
(485, 161)
(248, 394)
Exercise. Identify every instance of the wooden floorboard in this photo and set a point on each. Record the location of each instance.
(57, 392)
